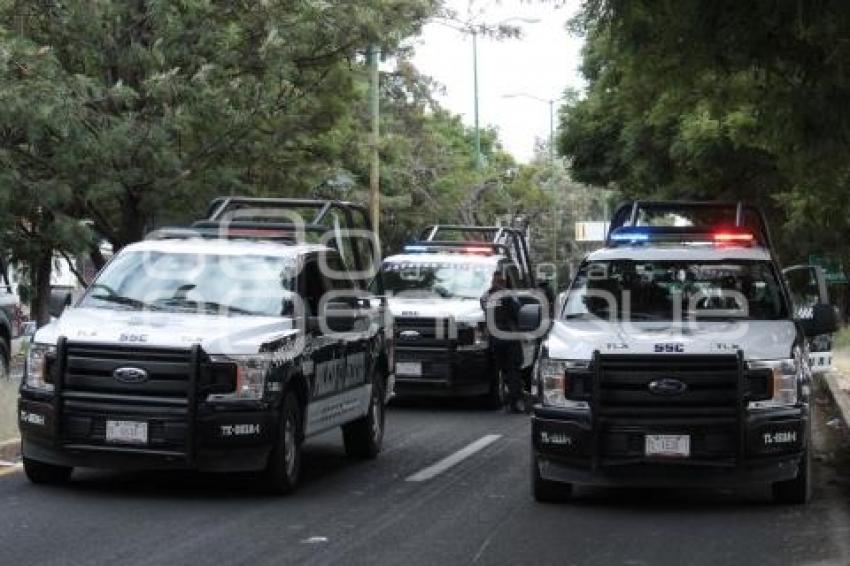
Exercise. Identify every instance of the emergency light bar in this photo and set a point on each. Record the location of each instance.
(468, 248)
(680, 235)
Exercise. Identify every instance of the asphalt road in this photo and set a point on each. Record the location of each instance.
(478, 511)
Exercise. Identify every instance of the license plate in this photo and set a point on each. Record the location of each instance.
(408, 368)
(127, 432)
(668, 445)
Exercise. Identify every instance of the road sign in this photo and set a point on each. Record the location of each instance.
(833, 268)
(591, 231)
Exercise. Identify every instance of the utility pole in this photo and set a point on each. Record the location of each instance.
(375, 165)
(474, 33)
(551, 132)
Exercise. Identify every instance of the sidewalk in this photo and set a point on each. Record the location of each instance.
(838, 383)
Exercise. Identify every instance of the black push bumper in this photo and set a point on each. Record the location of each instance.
(444, 372)
(183, 430)
(566, 450)
(223, 440)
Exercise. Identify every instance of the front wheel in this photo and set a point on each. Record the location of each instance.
(46, 474)
(364, 437)
(497, 395)
(547, 491)
(284, 466)
(797, 491)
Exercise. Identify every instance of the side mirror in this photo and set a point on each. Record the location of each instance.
(824, 321)
(59, 299)
(530, 317)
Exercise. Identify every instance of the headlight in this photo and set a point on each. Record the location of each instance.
(554, 378)
(472, 336)
(250, 378)
(785, 382)
(36, 370)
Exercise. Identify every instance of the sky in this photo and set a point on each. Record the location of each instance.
(543, 62)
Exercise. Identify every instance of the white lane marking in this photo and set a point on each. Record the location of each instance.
(454, 459)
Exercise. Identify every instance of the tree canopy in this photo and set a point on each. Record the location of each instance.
(720, 100)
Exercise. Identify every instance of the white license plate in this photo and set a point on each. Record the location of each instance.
(127, 432)
(668, 445)
(408, 368)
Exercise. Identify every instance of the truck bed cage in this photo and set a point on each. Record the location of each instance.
(223, 208)
(511, 241)
(285, 220)
(733, 214)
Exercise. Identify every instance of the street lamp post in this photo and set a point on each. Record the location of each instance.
(551, 102)
(473, 29)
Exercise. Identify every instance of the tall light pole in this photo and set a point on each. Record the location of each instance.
(374, 140)
(551, 103)
(473, 29)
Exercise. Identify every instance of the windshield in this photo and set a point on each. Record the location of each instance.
(448, 280)
(673, 290)
(206, 284)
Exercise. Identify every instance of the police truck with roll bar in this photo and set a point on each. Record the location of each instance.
(218, 347)
(676, 359)
(434, 290)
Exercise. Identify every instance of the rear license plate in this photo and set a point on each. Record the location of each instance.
(127, 432)
(668, 445)
(408, 368)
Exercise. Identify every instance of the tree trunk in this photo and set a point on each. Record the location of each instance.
(40, 277)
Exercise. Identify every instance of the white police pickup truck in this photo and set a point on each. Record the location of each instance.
(220, 347)
(675, 359)
(434, 290)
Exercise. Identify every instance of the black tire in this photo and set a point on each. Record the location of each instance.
(5, 360)
(547, 491)
(284, 465)
(364, 437)
(46, 474)
(496, 397)
(799, 490)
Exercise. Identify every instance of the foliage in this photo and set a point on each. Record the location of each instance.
(720, 100)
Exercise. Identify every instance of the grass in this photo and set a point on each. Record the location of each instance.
(841, 340)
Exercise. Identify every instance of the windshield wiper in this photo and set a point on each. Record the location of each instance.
(188, 305)
(122, 300)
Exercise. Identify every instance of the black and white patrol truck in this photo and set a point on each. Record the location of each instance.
(678, 358)
(221, 347)
(434, 289)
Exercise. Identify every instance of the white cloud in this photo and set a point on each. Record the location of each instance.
(543, 62)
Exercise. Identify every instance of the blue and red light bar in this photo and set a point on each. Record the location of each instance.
(459, 248)
(678, 234)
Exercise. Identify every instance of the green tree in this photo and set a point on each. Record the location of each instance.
(720, 100)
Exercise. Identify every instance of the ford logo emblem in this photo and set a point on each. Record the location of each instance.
(130, 375)
(668, 386)
(409, 335)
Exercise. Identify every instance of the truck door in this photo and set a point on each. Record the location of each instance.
(807, 287)
(324, 362)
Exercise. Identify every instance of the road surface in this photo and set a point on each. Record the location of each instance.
(451, 487)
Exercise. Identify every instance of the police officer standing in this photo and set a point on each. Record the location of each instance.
(503, 311)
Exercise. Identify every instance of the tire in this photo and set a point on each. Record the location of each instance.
(284, 465)
(5, 360)
(364, 437)
(42, 473)
(497, 395)
(547, 491)
(797, 491)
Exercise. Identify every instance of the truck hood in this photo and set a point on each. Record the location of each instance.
(759, 340)
(231, 335)
(465, 310)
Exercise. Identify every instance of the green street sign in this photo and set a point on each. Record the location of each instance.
(833, 268)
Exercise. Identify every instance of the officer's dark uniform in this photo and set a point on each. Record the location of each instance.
(505, 352)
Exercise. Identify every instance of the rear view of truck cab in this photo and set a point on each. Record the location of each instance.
(676, 359)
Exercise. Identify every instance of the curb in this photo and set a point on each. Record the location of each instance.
(10, 450)
(840, 397)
